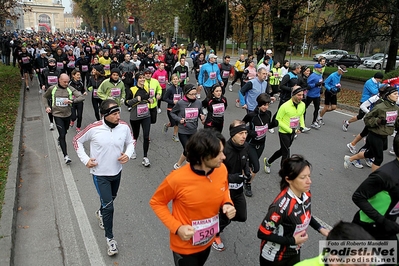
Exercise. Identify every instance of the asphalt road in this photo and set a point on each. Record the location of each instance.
(57, 225)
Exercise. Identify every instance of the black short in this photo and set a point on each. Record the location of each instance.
(360, 115)
(330, 98)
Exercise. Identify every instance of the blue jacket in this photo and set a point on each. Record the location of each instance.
(314, 91)
(370, 89)
(205, 72)
(331, 81)
(250, 91)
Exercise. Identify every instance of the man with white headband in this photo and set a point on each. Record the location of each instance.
(107, 137)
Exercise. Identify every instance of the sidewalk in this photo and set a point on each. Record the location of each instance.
(29, 222)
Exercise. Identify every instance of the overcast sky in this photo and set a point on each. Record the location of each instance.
(67, 5)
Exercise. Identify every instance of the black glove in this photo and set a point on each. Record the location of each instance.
(338, 90)
(236, 178)
(318, 84)
(390, 226)
(382, 121)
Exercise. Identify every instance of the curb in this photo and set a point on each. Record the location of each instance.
(9, 208)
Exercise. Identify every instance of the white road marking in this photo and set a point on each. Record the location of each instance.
(322, 223)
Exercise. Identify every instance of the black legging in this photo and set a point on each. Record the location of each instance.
(96, 102)
(146, 125)
(77, 112)
(183, 140)
(241, 210)
(84, 76)
(316, 103)
(196, 259)
(50, 115)
(254, 153)
(284, 151)
(238, 76)
(375, 147)
(62, 124)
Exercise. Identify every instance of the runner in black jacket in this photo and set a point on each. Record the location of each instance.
(216, 105)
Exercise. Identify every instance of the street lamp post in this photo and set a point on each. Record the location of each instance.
(306, 30)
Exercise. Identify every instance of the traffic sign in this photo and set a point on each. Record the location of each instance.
(131, 20)
(152, 33)
(8, 22)
(114, 28)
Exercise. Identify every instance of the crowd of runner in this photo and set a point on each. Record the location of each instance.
(116, 72)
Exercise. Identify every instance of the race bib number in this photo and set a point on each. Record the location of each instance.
(107, 67)
(391, 117)
(85, 68)
(300, 229)
(191, 114)
(183, 76)
(52, 80)
(60, 102)
(60, 65)
(71, 64)
(205, 230)
(152, 92)
(225, 74)
(115, 92)
(294, 122)
(87, 49)
(176, 97)
(212, 75)
(236, 185)
(162, 79)
(142, 110)
(261, 131)
(276, 75)
(218, 110)
(95, 93)
(25, 60)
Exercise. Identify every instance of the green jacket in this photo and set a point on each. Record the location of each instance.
(155, 89)
(111, 90)
(290, 117)
(381, 111)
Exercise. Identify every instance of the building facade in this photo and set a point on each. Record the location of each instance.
(45, 15)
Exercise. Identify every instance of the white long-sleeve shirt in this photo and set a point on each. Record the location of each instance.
(371, 101)
(106, 146)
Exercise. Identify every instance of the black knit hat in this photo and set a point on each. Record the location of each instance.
(188, 88)
(115, 70)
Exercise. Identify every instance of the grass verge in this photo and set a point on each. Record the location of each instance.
(10, 81)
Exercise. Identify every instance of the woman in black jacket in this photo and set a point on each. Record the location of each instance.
(216, 104)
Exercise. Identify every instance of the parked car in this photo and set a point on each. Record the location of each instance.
(374, 56)
(377, 63)
(348, 60)
(329, 54)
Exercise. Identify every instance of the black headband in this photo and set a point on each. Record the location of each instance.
(294, 92)
(111, 110)
(237, 129)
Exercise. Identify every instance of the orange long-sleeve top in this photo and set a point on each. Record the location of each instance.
(194, 197)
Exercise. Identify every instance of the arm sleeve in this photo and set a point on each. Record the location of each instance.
(371, 119)
(166, 96)
(129, 142)
(365, 106)
(266, 230)
(328, 83)
(314, 224)
(175, 111)
(284, 82)
(370, 187)
(159, 204)
(101, 91)
(78, 142)
(279, 118)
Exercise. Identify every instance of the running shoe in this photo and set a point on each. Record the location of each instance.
(391, 151)
(176, 166)
(165, 128)
(67, 159)
(217, 243)
(369, 162)
(267, 165)
(71, 123)
(40, 91)
(175, 138)
(305, 129)
(238, 103)
(100, 219)
(351, 148)
(296, 135)
(271, 131)
(230, 88)
(357, 164)
(129, 109)
(248, 189)
(27, 88)
(112, 247)
(134, 155)
(51, 126)
(315, 125)
(347, 161)
(77, 129)
(159, 110)
(146, 162)
(345, 125)
(320, 121)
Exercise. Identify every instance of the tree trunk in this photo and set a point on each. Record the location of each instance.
(251, 33)
(281, 33)
(393, 45)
